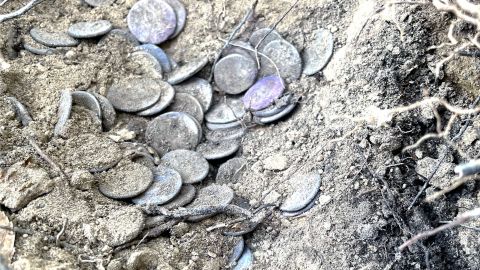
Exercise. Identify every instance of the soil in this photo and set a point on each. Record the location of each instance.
(359, 220)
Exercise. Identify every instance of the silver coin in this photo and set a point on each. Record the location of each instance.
(63, 112)
(305, 209)
(212, 195)
(192, 166)
(121, 225)
(127, 180)
(317, 54)
(166, 98)
(53, 39)
(143, 63)
(199, 88)
(21, 112)
(89, 29)
(186, 71)
(87, 100)
(305, 187)
(240, 47)
(231, 171)
(157, 52)
(184, 197)
(117, 39)
(225, 134)
(235, 73)
(134, 94)
(270, 119)
(99, 3)
(36, 48)
(218, 150)
(231, 125)
(187, 104)
(171, 131)
(237, 251)
(226, 111)
(108, 112)
(258, 35)
(285, 56)
(167, 183)
(279, 105)
(181, 14)
(245, 261)
(199, 126)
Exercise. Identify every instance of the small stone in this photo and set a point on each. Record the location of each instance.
(90, 29)
(273, 197)
(324, 199)
(285, 56)
(134, 94)
(317, 55)
(186, 71)
(231, 171)
(53, 39)
(276, 162)
(82, 180)
(305, 188)
(127, 180)
(187, 104)
(441, 178)
(235, 73)
(200, 89)
(166, 98)
(192, 166)
(121, 226)
(218, 150)
(226, 112)
(166, 185)
(263, 93)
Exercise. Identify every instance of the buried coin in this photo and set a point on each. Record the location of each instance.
(263, 93)
(171, 131)
(192, 166)
(225, 134)
(98, 3)
(245, 261)
(166, 98)
(180, 14)
(166, 185)
(187, 104)
(259, 34)
(90, 29)
(36, 48)
(305, 188)
(152, 21)
(237, 251)
(218, 150)
(285, 57)
(186, 71)
(121, 226)
(278, 106)
(184, 197)
(159, 54)
(63, 112)
(309, 206)
(317, 55)
(231, 171)
(126, 180)
(87, 100)
(212, 195)
(270, 119)
(240, 47)
(134, 94)
(226, 111)
(108, 112)
(200, 89)
(231, 125)
(235, 73)
(21, 112)
(143, 63)
(118, 38)
(53, 39)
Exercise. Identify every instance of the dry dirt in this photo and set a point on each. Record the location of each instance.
(359, 220)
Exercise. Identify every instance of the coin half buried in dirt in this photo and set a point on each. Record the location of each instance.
(305, 188)
(305, 209)
(212, 195)
(21, 112)
(168, 94)
(180, 14)
(225, 134)
(186, 195)
(237, 251)
(270, 119)
(152, 21)
(63, 113)
(134, 94)
(245, 261)
(118, 38)
(171, 131)
(159, 54)
(231, 125)
(317, 55)
(263, 93)
(121, 226)
(235, 73)
(166, 184)
(187, 104)
(108, 112)
(98, 3)
(231, 171)
(53, 39)
(259, 34)
(90, 29)
(218, 150)
(186, 71)
(192, 166)
(200, 89)
(143, 63)
(127, 180)
(226, 112)
(88, 101)
(279, 105)
(286, 58)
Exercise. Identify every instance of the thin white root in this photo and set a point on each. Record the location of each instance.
(18, 12)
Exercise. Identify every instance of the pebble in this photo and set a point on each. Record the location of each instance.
(200, 89)
(166, 185)
(260, 33)
(237, 251)
(231, 171)
(263, 93)
(118, 37)
(89, 29)
(21, 112)
(226, 112)
(145, 64)
(231, 125)
(127, 180)
(63, 112)
(166, 98)
(192, 166)
(134, 94)
(87, 100)
(99, 3)
(286, 58)
(187, 104)
(186, 71)
(235, 73)
(270, 119)
(211, 195)
(53, 39)
(82, 180)
(185, 196)
(279, 105)
(305, 187)
(121, 226)
(152, 21)
(159, 54)
(276, 162)
(317, 54)
(171, 131)
(218, 150)
(180, 14)
(108, 112)
(224, 134)
(245, 261)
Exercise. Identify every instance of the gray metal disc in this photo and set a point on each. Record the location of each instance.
(286, 58)
(157, 52)
(245, 261)
(34, 47)
(87, 100)
(212, 195)
(235, 73)
(168, 94)
(317, 54)
(226, 112)
(279, 105)
(145, 64)
(181, 14)
(108, 112)
(53, 39)
(21, 113)
(225, 134)
(218, 150)
(192, 166)
(121, 225)
(270, 119)
(305, 187)
(89, 29)
(187, 104)
(231, 171)
(63, 112)
(200, 89)
(99, 3)
(186, 71)
(118, 38)
(134, 94)
(237, 251)
(126, 181)
(184, 197)
(260, 33)
(231, 125)
(166, 185)
(240, 47)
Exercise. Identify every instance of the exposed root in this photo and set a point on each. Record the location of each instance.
(18, 12)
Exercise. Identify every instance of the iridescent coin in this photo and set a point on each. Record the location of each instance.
(218, 150)
(285, 57)
(53, 39)
(125, 181)
(212, 195)
(263, 93)
(152, 21)
(134, 94)
(87, 100)
(192, 166)
(317, 54)
(108, 112)
(184, 197)
(159, 54)
(279, 105)
(258, 35)
(226, 111)
(305, 187)
(187, 104)
(235, 73)
(200, 89)
(166, 98)
(186, 71)
(231, 171)
(181, 15)
(90, 29)
(166, 185)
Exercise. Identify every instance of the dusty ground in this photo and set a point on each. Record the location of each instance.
(359, 220)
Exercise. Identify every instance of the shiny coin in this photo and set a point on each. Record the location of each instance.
(143, 63)
(152, 21)
(212, 195)
(166, 185)
(181, 15)
(305, 187)
(63, 112)
(99, 3)
(134, 94)
(200, 89)
(186, 71)
(192, 166)
(159, 54)
(270, 119)
(87, 100)
(108, 112)
(258, 35)
(186, 196)
(226, 111)
(89, 29)
(231, 125)
(171, 131)
(218, 150)
(187, 104)
(279, 105)
(263, 93)
(127, 180)
(317, 55)
(235, 73)
(166, 98)
(231, 171)
(286, 58)
(53, 39)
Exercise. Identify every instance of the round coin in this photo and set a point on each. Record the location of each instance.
(263, 93)
(134, 94)
(121, 226)
(240, 47)
(270, 119)
(53, 39)
(127, 180)
(108, 112)
(285, 57)
(200, 89)
(159, 54)
(192, 166)
(181, 15)
(224, 134)
(89, 29)
(186, 71)
(317, 55)
(231, 125)
(279, 105)
(258, 35)
(235, 73)
(212, 195)
(231, 171)
(36, 48)
(98, 3)
(305, 188)
(63, 112)
(118, 38)
(226, 112)
(237, 251)
(166, 185)
(168, 94)
(143, 63)
(218, 150)
(184, 197)
(187, 104)
(87, 100)
(245, 261)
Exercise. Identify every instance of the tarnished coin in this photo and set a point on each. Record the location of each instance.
(226, 111)
(187, 104)
(240, 47)
(245, 261)
(317, 54)
(118, 38)
(166, 98)
(166, 185)
(231, 171)
(184, 197)
(181, 15)
(121, 226)
(305, 188)
(235, 73)
(87, 100)
(237, 251)
(159, 54)
(192, 166)
(212, 195)
(186, 71)
(90, 29)
(258, 35)
(143, 63)
(99, 3)
(63, 112)
(218, 150)
(152, 21)
(305, 209)
(36, 48)
(21, 112)
(108, 112)
(278, 106)
(200, 89)
(134, 94)
(263, 93)
(199, 126)
(131, 123)
(231, 125)
(171, 131)
(270, 119)
(127, 180)
(225, 134)
(286, 58)
(53, 39)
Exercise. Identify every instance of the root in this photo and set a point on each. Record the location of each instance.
(18, 12)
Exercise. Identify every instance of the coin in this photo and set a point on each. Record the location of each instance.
(192, 166)
(134, 94)
(235, 73)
